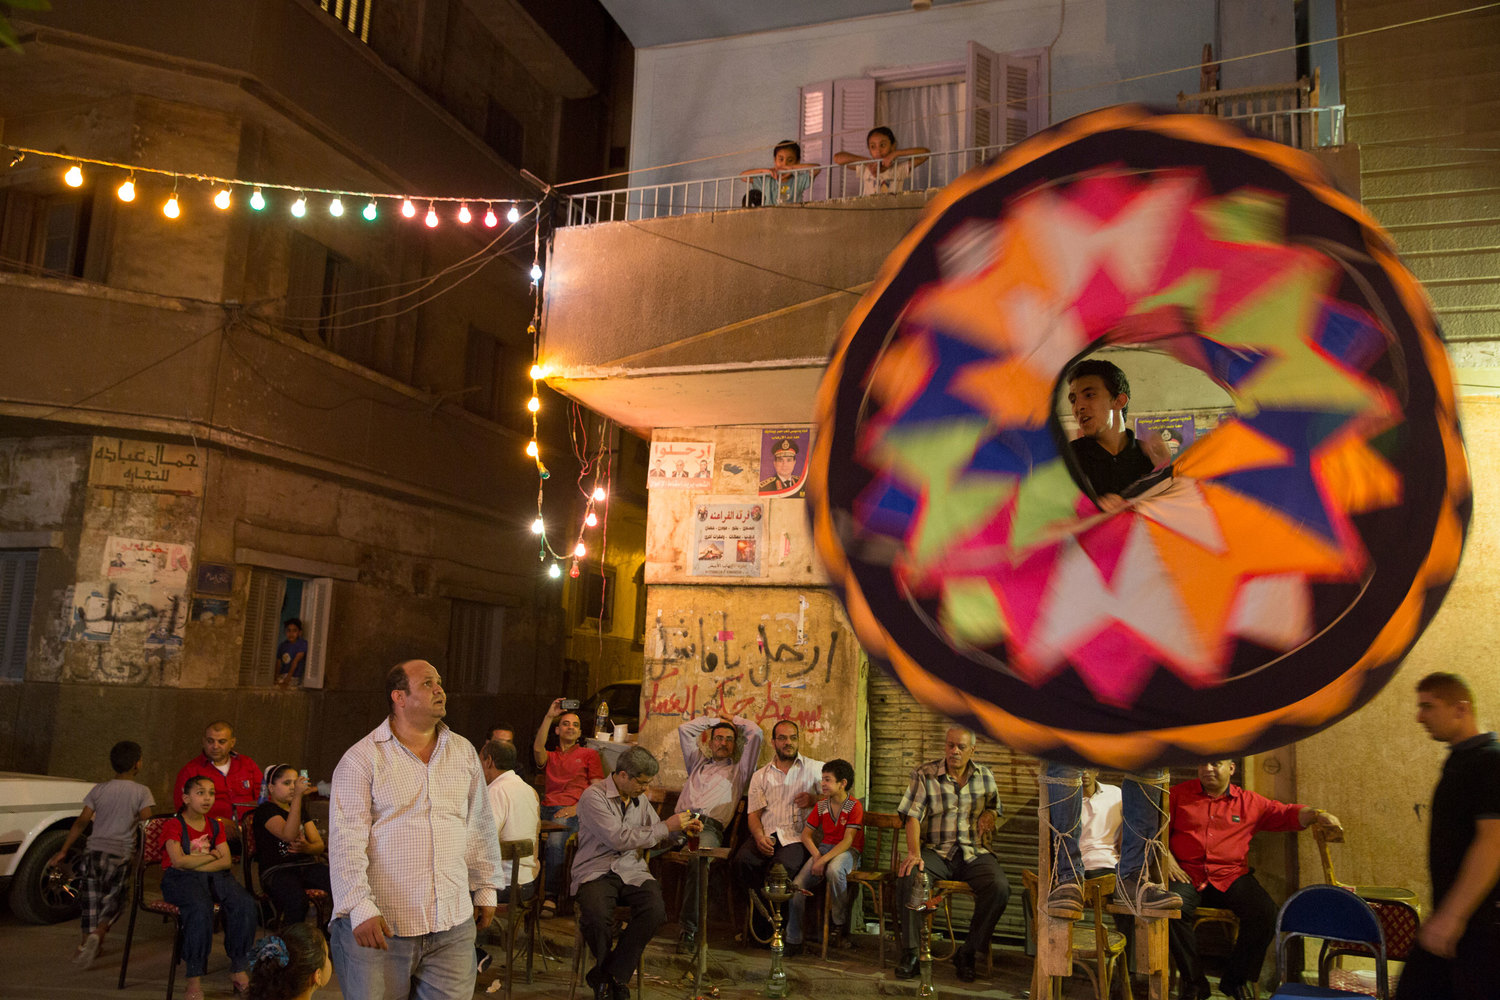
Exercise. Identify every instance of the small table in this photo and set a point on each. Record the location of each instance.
(701, 857)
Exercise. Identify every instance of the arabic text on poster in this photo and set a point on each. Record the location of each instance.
(727, 539)
(681, 465)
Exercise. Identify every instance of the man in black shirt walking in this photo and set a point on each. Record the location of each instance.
(1458, 953)
(1108, 453)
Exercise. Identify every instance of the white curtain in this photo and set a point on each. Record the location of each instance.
(927, 114)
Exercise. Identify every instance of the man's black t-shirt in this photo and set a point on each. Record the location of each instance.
(1108, 473)
(1468, 791)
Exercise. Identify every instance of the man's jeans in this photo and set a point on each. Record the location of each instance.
(1141, 816)
(837, 874)
(687, 920)
(555, 850)
(425, 967)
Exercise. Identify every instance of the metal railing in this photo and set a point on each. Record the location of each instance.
(1304, 128)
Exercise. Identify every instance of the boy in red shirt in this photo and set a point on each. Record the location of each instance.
(569, 769)
(837, 819)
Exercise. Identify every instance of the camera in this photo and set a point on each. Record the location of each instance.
(570, 705)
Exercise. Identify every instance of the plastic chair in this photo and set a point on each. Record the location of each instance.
(148, 848)
(1331, 913)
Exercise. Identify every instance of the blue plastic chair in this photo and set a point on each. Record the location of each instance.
(1331, 913)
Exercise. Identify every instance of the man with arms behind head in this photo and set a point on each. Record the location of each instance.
(235, 776)
(411, 836)
(1458, 953)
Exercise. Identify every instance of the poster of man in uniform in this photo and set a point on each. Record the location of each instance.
(727, 539)
(783, 461)
(680, 465)
(1176, 431)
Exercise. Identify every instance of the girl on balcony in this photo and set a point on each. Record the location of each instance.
(785, 183)
(888, 169)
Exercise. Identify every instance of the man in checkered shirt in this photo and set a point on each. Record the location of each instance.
(951, 807)
(411, 837)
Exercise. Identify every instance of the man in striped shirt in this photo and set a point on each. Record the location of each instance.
(951, 807)
(411, 837)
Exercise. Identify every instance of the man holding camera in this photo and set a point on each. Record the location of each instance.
(569, 769)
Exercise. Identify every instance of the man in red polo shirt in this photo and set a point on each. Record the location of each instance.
(1212, 823)
(569, 769)
(236, 777)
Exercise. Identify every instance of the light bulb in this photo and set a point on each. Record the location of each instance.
(573, 570)
(599, 494)
(408, 209)
(554, 571)
(257, 200)
(74, 176)
(464, 215)
(531, 449)
(513, 216)
(580, 551)
(431, 219)
(536, 272)
(299, 207)
(537, 527)
(591, 519)
(171, 209)
(221, 200)
(127, 190)
(538, 372)
(336, 207)
(371, 212)
(489, 218)
(533, 404)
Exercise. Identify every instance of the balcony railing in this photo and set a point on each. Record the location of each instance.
(1305, 128)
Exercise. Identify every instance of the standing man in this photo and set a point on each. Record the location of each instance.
(952, 806)
(781, 795)
(716, 778)
(1458, 946)
(1115, 463)
(235, 776)
(411, 836)
(1212, 823)
(616, 825)
(569, 769)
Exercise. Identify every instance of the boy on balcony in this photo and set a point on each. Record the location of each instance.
(785, 183)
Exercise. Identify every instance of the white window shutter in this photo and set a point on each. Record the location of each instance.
(853, 117)
(982, 90)
(317, 600)
(1020, 87)
(815, 131)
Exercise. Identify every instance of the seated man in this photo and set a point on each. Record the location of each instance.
(517, 816)
(504, 732)
(951, 806)
(715, 781)
(236, 777)
(1212, 823)
(780, 797)
(615, 827)
(569, 769)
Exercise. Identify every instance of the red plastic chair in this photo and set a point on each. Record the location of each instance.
(148, 848)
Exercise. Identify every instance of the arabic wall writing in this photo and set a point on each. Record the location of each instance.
(123, 464)
(766, 654)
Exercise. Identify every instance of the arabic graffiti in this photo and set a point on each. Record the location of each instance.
(122, 464)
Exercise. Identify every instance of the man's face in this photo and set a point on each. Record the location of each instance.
(424, 701)
(1093, 407)
(959, 747)
(631, 788)
(1443, 720)
(502, 735)
(785, 739)
(569, 728)
(1090, 780)
(721, 744)
(785, 463)
(786, 157)
(1214, 776)
(218, 742)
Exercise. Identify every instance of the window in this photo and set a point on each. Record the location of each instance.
(493, 380)
(17, 594)
(475, 631)
(352, 14)
(273, 599)
(45, 234)
(503, 133)
(595, 600)
(330, 301)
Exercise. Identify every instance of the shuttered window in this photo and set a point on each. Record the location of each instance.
(262, 628)
(17, 595)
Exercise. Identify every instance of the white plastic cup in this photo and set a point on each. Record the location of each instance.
(621, 731)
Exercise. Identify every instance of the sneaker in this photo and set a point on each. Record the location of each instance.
(482, 959)
(1144, 897)
(687, 944)
(87, 951)
(1065, 901)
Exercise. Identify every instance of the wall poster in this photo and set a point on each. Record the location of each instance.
(783, 461)
(681, 465)
(727, 539)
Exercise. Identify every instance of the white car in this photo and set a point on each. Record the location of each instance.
(36, 811)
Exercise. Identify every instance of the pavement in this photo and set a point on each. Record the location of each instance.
(36, 966)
